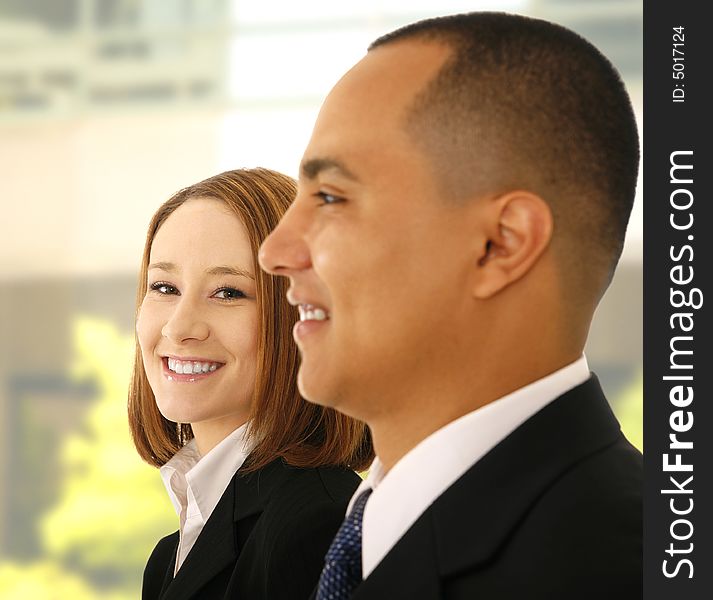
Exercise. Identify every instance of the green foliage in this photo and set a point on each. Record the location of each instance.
(46, 580)
(630, 411)
(112, 508)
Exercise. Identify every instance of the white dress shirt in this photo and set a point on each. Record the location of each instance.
(195, 484)
(426, 471)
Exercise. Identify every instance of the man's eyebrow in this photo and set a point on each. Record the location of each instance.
(221, 270)
(312, 167)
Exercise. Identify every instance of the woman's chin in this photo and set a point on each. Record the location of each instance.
(177, 414)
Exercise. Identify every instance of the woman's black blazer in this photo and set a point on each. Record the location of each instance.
(265, 540)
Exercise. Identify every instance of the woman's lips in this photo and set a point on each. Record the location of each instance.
(189, 370)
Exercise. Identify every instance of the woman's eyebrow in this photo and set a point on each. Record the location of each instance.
(226, 270)
(164, 266)
(220, 270)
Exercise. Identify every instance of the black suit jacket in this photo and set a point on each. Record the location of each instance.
(553, 511)
(265, 540)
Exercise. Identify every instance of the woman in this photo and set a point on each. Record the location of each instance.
(260, 478)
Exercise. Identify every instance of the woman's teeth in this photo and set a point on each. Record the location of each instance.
(310, 313)
(190, 367)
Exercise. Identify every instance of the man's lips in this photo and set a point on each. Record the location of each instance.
(310, 312)
(312, 319)
(309, 309)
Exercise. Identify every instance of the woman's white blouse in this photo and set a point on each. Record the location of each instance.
(195, 484)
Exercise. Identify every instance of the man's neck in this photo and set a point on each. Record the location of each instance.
(396, 431)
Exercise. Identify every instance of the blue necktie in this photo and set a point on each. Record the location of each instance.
(342, 569)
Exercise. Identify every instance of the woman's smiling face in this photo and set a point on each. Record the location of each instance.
(197, 325)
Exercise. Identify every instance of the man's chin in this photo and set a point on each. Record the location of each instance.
(327, 394)
(315, 389)
(308, 388)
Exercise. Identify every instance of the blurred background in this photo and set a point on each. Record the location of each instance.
(106, 108)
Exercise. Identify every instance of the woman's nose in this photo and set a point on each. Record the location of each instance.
(186, 322)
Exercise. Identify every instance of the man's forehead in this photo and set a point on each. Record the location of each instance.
(410, 59)
(369, 101)
(386, 79)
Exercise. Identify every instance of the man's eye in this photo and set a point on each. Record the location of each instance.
(227, 293)
(328, 198)
(164, 288)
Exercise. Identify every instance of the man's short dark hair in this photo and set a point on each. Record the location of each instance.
(522, 103)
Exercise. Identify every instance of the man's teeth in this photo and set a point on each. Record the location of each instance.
(310, 313)
(190, 367)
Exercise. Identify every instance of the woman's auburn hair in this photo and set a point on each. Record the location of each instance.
(281, 423)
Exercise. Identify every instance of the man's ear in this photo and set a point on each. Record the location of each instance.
(518, 228)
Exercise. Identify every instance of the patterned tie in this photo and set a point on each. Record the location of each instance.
(342, 569)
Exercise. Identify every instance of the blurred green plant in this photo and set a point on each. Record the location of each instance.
(46, 580)
(111, 508)
(629, 410)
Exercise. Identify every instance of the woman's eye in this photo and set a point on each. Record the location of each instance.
(328, 198)
(164, 288)
(229, 294)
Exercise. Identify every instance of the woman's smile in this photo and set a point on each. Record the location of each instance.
(189, 369)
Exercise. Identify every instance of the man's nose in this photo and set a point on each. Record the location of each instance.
(285, 250)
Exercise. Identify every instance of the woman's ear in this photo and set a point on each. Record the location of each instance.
(518, 228)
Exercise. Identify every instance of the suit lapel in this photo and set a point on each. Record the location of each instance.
(471, 520)
(213, 551)
(410, 570)
(474, 517)
(217, 545)
(168, 578)
(254, 489)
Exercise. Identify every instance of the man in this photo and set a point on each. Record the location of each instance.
(462, 205)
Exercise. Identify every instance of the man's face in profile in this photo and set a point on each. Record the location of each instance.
(371, 243)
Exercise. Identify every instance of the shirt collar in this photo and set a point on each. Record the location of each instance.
(510, 411)
(204, 477)
(426, 471)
